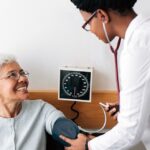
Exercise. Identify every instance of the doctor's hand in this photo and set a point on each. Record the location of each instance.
(113, 109)
(76, 144)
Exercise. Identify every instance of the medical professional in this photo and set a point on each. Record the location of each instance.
(108, 19)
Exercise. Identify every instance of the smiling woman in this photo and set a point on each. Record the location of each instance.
(24, 123)
(13, 86)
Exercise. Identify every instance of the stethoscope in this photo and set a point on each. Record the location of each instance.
(115, 53)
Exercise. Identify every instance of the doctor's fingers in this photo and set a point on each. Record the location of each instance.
(66, 139)
(112, 111)
(68, 148)
(115, 116)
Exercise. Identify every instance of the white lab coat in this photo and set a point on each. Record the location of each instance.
(134, 72)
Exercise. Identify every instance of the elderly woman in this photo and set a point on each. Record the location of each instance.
(22, 122)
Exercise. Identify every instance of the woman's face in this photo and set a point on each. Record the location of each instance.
(96, 26)
(11, 88)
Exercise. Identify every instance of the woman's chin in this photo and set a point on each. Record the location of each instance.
(23, 95)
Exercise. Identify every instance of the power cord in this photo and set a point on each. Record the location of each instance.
(74, 110)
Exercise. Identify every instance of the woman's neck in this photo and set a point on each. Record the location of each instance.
(9, 110)
(121, 22)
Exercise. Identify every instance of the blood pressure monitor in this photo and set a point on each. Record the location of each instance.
(75, 84)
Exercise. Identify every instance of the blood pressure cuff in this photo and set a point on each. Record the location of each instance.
(65, 127)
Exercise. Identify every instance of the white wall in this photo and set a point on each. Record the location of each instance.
(46, 34)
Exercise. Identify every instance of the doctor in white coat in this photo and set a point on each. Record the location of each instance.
(108, 19)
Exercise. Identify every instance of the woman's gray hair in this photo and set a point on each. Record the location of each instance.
(6, 59)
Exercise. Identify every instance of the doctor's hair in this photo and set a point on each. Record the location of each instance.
(6, 59)
(90, 6)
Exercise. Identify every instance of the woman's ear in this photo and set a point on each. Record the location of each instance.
(103, 15)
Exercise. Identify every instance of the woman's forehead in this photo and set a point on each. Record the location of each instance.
(9, 67)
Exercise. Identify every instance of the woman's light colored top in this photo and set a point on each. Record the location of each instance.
(27, 130)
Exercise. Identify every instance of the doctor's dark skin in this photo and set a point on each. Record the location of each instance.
(116, 24)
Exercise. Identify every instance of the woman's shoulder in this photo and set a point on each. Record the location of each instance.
(37, 104)
(140, 37)
(34, 102)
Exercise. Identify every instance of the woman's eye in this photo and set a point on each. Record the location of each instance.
(13, 74)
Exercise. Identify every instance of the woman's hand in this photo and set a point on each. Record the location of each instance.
(76, 144)
(113, 109)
